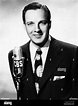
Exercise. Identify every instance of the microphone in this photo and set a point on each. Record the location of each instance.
(18, 61)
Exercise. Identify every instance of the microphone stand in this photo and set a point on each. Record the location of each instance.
(18, 97)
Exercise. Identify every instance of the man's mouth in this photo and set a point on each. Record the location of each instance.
(37, 35)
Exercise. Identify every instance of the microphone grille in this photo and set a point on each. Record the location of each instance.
(17, 53)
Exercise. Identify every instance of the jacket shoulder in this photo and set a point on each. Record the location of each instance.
(25, 46)
(10, 54)
(66, 46)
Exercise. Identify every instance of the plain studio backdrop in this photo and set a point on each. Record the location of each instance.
(13, 33)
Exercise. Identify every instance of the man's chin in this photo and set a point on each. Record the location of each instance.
(38, 43)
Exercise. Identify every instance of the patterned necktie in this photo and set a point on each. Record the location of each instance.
(38, 68)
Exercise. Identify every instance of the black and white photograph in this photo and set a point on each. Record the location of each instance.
(39, 50)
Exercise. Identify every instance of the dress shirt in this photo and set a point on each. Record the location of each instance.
(44, 49)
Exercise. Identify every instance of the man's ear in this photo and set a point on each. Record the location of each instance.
(49, 24)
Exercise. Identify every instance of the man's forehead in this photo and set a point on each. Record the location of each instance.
(35, 14)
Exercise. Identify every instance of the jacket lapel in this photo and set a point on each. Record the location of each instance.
(52, 61)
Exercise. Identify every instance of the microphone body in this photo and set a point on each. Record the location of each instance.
(18, 61)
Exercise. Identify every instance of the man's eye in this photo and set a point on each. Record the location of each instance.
(30, 23)
(43, 22)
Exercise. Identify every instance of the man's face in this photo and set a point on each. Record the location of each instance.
(37, 26)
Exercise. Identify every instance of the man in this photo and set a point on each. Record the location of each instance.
(48, 74)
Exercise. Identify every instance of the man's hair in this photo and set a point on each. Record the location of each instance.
(34, 6)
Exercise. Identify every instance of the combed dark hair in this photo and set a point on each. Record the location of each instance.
(34, 6)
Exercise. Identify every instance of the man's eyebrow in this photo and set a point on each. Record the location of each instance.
(45, 21)
(30, 22)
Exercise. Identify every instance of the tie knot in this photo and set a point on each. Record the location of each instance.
(39, 51)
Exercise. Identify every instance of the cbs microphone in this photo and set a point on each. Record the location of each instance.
(18, 61)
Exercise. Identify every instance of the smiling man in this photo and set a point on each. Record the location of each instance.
(37, 22)
(49, 64)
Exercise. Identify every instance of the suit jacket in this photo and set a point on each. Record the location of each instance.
(57, 82)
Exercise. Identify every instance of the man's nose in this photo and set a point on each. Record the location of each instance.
(37, 28)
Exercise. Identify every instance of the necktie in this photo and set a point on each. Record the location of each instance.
(38, 68)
